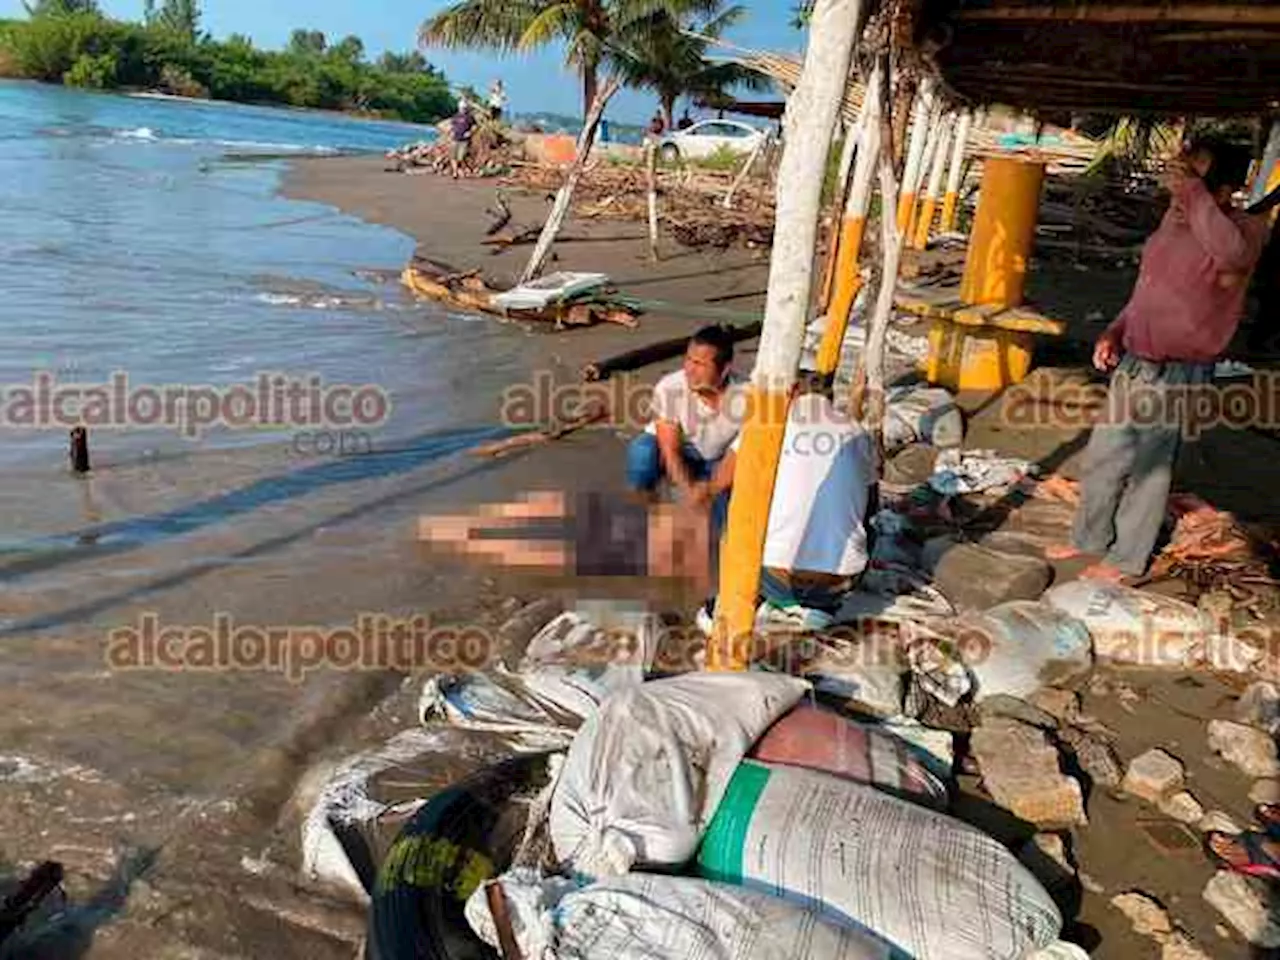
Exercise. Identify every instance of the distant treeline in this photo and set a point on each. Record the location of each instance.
(74, 44)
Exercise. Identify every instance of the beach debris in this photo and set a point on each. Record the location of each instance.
(1095, 756)
(1017, 648)
(1131, 626)
(1265, 791)
(1153, 776)
(976, 577)
(1148, 918)
(1245, 904)
(917, 413)
(594, 413)
(978, 471)
(1249, 749)
(1182, 807)
(1020, 769)
(1228, 653)
(1259, 706)
(1219, 821)
(518, 630)
(79, 450)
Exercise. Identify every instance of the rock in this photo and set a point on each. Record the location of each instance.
(1253, 751)
(1153, 775)
(911, 466)
(1020, 770)
(1244, 905)
(1149, 919)
(1265, 791)
(975, 577)
(1219, 821)
(1181, 947)
(1182, 807)
(1062, 705)
(1095, 756)
(1259, 706)
(1090, 884)
(1011, 708)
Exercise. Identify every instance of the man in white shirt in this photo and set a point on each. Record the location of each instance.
(693, 424)
(816, 540)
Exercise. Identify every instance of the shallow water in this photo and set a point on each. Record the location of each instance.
(145, 238)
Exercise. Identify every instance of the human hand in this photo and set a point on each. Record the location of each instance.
(1106, 353)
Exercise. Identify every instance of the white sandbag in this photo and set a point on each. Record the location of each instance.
(1019, 647)
(644, 916)
(920, 413)
(934, 887)
(1135, 627)
(646, 771)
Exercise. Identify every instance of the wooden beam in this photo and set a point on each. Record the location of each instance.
(1103, 13)
(1218, 36)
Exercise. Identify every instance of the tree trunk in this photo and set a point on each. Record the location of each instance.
(810, 119)
(560, 209)
(651, 175)
(590, 86)
(669, 112)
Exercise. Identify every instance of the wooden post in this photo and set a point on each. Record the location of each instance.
(848, 272)
(79, 450)
(651, 175)
(560, 209)
(744, 172)
(951, 200)
(811, 116)
(936, 170)
(851, 138)
(915, 153)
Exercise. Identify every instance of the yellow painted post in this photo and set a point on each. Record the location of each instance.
(951, 199)
(938, 166)
(811, 116)
(995, 269)
(848, 272)
(915, 153)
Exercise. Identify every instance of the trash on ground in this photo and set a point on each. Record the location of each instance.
(1018, 648)
(978, 471)
(1130, 626)
(916, 413)
(940, 889)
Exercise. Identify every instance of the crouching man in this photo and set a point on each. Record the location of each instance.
(816, 541)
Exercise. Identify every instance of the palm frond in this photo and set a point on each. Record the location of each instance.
(483, 24)
(556, 21)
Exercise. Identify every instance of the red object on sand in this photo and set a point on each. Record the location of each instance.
(821, 740)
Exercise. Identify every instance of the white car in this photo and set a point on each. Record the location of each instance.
(708, 137)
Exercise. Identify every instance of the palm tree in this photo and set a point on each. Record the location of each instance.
(668, 55)
(588, 28)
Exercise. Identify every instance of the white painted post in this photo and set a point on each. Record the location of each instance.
(916, 143)
(951, 199)
(937, 167)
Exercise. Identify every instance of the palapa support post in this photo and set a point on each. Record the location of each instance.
(811, 116)
(1004, 229)
(951, 199)
(651, 177)
(848, 272)
(915, 153)
(852, 136)
(916, 185)
(929, 206)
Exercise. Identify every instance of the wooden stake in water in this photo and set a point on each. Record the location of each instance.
(80, 450)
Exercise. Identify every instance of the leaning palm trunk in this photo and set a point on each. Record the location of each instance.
(560, 209)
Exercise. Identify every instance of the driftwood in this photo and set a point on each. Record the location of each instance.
(594, 413)
(655, 353)
(469, 290)
(501, 215)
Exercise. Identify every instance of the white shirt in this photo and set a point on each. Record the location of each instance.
(820, 495)
(711, 431)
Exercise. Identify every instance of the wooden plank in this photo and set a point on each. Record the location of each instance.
(1017, 319)
(1104, 13)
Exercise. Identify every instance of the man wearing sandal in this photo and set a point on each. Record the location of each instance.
(1254, 853)
(1183, 312)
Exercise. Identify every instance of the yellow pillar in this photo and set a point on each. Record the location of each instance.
(995, 269)
(950, 203)
(925, 223)
(742, 552)
(951, 198)
(906, 207)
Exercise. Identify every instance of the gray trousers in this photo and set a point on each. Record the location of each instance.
(1130, 458)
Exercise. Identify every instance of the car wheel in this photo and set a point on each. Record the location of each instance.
(669, 153)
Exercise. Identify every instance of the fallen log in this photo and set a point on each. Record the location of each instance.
(594, 413)
(655, 353)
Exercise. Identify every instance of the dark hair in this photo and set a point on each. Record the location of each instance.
(718, 338)
(1229, 164)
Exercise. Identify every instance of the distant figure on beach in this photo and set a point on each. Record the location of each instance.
(1161, 351)
(692, 426)
(686, 121)
(657, 127)
(604, 130)
(815, 546)
(497, 100)
(461, 128)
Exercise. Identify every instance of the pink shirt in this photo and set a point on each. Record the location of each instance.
(1191, 287)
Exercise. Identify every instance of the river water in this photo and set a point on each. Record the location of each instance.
(144, 242)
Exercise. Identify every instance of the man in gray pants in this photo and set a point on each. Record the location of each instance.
(1184, 310)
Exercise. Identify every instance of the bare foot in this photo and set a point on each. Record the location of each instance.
(1062, 551)
(1102, 571)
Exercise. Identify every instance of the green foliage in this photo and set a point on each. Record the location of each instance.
(92, 72)
(167, 53)
(60, 8)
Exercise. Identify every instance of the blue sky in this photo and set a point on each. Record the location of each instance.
(535, 82)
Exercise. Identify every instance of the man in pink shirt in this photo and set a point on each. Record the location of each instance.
(1184, 310)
